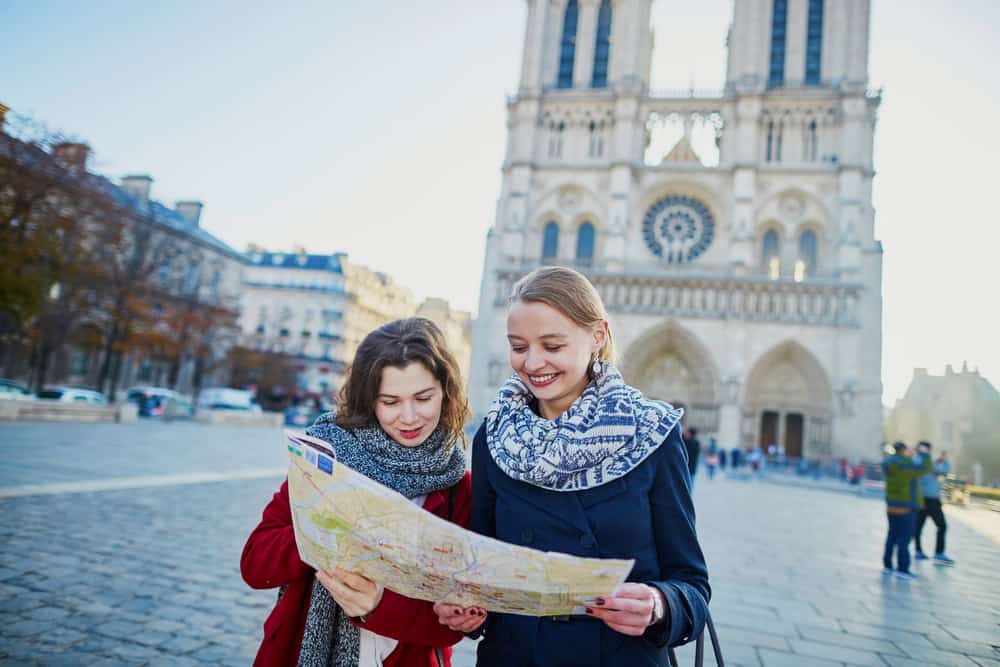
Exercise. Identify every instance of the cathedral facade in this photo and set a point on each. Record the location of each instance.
(730, 233)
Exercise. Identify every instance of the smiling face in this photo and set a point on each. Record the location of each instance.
(408, 405)
(551, 353)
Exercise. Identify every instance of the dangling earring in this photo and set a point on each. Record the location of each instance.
(596, 368)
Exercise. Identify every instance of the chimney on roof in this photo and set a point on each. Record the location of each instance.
(137, 186)
(72, 155)
(191, 210)
(3, 112)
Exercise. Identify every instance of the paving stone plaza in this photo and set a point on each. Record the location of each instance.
(120, 544)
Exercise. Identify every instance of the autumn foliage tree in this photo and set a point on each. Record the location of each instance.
(50, 269)
(84, 263)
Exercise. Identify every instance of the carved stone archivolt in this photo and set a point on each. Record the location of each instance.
(569, 199)
(670, 364)
(792, 207)
(789, 381)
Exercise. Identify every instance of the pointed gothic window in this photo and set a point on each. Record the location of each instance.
(602, 47)
(556, 138)
(805, 265)
(567, 46)
(812, 136)
(769, 151)
(771, 254)
(779, 22)
(550, 241)
(585, 244)
(596, 148)
(814, 42)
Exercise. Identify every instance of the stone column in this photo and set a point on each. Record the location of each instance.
(730, 414)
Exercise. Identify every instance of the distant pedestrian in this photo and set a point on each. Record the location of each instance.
(930, 488)
(903, 500)
(712, 457)
(722, 459)
(693, 447)
(737, 457)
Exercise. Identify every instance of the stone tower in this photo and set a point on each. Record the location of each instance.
(737, 260)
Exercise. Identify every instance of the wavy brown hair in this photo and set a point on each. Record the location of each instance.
(399, 344)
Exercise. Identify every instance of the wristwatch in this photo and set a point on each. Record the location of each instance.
(659, 612)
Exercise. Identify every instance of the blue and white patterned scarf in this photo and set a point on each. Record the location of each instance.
(608, 431)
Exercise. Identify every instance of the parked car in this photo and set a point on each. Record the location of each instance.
(178, 407)
(156, 402)
(149, 401)
(73, 395)
(14, 391)
(227, 398)
(136, 394)
(306, 412)
(298, 415)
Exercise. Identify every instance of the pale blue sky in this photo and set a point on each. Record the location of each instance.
(375, 126)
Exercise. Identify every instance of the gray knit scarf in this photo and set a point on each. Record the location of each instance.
(329, 639)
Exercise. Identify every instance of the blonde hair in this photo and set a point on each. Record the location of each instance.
(570, 293)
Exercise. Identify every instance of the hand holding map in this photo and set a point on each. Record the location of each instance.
(344, 519)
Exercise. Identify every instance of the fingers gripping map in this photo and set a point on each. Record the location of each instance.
(344, 519)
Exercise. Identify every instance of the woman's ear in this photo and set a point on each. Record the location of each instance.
(600, 336)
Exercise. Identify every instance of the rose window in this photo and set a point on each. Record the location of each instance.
(678, 228)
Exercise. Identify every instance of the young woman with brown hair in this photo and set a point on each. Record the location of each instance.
(399, 421)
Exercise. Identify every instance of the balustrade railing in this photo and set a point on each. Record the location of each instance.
(749, 298)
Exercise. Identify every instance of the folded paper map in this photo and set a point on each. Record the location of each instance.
(344, 519)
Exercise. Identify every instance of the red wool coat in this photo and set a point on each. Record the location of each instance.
(270, 559)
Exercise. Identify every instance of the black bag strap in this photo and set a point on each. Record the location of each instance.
(699, 647)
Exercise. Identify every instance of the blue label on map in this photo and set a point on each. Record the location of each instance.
(325, 464)
(311, 456)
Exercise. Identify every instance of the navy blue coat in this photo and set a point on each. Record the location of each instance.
(647, 515)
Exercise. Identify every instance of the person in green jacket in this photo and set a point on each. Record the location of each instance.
(902, 471)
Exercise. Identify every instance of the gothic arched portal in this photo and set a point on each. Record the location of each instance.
(669, 363)
(788, 403)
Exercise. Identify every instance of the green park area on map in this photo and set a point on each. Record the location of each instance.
(343, 519)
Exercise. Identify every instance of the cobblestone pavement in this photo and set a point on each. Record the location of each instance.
(146, 572)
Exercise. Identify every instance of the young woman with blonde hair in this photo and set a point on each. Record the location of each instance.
(572, 459)
(399, 421)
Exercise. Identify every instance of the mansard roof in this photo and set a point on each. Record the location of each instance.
(297, 260)
(30, 156)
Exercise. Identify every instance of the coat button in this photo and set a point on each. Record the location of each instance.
(527, 536)
(587, 542)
